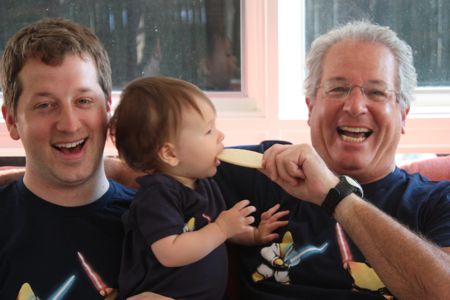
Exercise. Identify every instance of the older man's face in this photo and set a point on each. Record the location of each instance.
(356, 135)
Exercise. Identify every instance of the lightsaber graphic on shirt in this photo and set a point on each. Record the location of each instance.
(346, 254)
(62, 291)
(26, 292)
(364, 277)
(93, 276)
(294, 257)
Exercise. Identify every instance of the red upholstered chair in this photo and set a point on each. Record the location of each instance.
(437, 168)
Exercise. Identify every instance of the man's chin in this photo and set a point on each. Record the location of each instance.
(349, 164)
(74, 176)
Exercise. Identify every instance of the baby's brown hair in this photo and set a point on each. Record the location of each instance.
(148, 115)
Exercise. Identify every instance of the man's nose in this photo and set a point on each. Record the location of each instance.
(356, 101)
(67, 120)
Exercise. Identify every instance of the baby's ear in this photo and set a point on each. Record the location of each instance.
(168, 154)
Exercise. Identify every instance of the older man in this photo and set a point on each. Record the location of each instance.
(339, 244)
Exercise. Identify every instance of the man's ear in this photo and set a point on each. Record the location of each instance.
(310, 105)
(404, 115)
(108, 108)
(168, 154)
(10, 123)
(109, 104)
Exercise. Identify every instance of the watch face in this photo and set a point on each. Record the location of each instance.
(354, 183)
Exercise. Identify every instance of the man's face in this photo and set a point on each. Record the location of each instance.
(62, 121)
(355, 135)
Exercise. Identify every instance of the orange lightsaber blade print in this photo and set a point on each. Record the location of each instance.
(346, 254)
(93, 276)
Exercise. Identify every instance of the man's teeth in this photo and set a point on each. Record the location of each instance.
(354, 134)
(70, 145)
(353, 139)
(355, 129)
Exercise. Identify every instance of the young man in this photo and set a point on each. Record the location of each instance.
(61, 232)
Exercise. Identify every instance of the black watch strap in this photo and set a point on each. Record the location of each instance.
(345, 187)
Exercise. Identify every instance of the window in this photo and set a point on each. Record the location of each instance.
(424, 25)
(265, 99)
(194, 40)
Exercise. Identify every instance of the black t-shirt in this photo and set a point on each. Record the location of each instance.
(164, 207)
(314, 249)
(43, 244)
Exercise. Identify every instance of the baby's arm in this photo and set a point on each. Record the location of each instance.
(264, 233)
(189, 247)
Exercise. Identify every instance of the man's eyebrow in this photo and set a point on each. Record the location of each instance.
(86, 90)
(344, 80)
(377, 81)
(338, 79)
(44, 94)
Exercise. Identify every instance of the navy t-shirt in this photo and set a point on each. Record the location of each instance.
(313, 248)
(165, 207)
(67, 251)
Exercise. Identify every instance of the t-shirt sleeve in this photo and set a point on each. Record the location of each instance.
(158, 212)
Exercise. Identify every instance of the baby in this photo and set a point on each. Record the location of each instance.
(177, 224)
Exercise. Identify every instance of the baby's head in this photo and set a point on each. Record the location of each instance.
(151, 115)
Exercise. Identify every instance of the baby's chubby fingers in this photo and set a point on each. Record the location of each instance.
(273, 213)
(268, 213)
(241, 204)
(244, 207)
(249, 220)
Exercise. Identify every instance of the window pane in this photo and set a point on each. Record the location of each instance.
(424, 24)
(194, 40)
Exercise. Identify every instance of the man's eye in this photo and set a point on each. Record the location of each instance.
(338, 90)
(377, 93)
(84, 101)
(42, 106)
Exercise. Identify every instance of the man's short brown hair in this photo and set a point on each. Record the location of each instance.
(50, 40)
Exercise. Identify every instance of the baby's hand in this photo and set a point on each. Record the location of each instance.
(237, 219)
(270, 221)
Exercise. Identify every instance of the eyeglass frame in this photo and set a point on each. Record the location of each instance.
(363, 89)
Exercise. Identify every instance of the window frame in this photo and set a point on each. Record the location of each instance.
(256, 113)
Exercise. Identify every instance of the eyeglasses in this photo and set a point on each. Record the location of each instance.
(374, 91)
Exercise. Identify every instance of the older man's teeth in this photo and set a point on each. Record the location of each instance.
(353, 139)
(354, 134)
(70, 145)
(354, 129)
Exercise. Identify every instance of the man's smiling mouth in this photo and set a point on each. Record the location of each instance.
(70, 147)
(354, 134)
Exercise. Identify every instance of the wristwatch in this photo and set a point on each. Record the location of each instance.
(345, 187)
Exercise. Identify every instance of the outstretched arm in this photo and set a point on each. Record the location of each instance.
(410, 266)
(119, 171)
(8, 175)
(189, 247)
